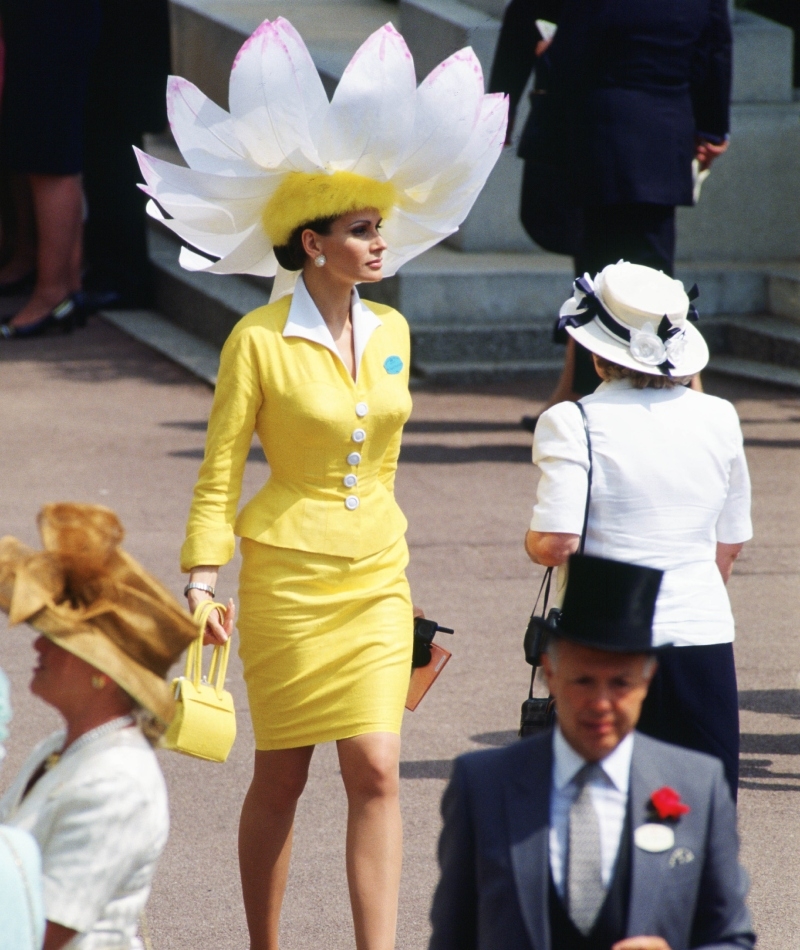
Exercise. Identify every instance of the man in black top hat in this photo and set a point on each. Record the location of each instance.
(592, 836)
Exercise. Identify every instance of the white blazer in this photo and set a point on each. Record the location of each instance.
(670, 480)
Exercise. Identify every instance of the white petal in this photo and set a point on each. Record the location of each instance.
(204, 132)
(158, 173)
(285, 281)
(448, 105)
(253, 255)
(276, 93)
(209, 242)
(213, 203)
(371, 116)
(406, 237)
(450, 195)
(219, 217)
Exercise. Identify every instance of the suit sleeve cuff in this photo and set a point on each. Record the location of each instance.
(213, 547)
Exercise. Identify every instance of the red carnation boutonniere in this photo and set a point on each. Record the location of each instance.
(666, 805)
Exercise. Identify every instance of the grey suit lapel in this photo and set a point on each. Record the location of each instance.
(658, 904)
(528, 828)
(644, 870)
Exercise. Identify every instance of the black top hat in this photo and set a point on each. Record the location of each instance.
(609, 605)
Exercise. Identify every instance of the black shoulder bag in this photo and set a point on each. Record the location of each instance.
(539, 712)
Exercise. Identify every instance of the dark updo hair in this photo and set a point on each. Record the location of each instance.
(292, 255)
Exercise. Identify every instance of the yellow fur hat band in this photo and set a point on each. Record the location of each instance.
(308, 196)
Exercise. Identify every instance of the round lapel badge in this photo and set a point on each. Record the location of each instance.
(393, 365)
(654, 838)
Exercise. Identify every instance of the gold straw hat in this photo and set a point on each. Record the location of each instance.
(94, 600)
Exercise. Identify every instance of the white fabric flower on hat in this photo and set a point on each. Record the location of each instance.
(646, 346)
(676, 347)
(434, 145)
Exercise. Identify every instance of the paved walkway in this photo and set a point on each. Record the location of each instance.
(97, 417)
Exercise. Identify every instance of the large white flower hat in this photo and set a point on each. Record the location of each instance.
(285, 155)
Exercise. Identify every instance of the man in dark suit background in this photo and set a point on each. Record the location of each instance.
(592, 837)
(634, 92)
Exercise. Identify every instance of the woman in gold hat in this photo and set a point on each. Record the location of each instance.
(92, 795)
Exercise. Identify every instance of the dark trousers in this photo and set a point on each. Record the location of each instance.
(639, 233)
(693, 702)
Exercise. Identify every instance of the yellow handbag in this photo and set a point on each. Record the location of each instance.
(205, 721)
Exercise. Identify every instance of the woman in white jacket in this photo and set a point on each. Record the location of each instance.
(670, 489)
(92, 795)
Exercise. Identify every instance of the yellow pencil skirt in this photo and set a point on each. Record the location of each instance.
(325, 641)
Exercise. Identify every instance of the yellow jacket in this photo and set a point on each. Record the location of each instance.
(306, 409)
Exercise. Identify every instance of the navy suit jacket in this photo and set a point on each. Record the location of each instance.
(494, 853)
(630, 84)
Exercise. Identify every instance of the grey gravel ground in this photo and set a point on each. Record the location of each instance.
(97, 417)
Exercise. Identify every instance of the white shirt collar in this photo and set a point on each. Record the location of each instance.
(614, 384)
(567, 763)
(307, 322)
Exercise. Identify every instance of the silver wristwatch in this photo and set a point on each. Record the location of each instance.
(194, 586)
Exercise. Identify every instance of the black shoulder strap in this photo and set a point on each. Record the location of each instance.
(588, 477)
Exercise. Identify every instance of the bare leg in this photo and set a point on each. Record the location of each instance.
(58, 208)
(265, 838)
(371, 773)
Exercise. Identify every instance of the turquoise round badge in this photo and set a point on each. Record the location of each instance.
(393, 365)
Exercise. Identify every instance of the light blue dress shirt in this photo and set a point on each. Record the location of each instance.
(609, 796)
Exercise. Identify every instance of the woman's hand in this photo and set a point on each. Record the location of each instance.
(218, 629)
(418, 612)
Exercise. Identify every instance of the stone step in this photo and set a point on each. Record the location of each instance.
(757, 372)
(783, 292)
(491, 345)
(761, 338)
(493, 312)
(185, 349)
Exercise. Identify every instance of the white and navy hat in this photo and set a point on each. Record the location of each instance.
(636, 317)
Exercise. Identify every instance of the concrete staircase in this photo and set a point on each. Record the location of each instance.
(478, 312)
(489, 316)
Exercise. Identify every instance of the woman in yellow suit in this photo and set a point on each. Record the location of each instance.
(322, 378)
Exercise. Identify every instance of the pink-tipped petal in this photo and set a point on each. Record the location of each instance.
(276, 92)
(448, 106)
(454, 191)
(371, 115)
(204, 133)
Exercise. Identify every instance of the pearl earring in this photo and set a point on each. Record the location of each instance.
(321, 260)
(98, 682)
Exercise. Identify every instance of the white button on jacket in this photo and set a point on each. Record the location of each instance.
(361, 409)
(351, 502)
(350, 481)
(359, 435)
(354, 458)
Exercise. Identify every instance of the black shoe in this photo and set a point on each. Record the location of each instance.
(63, 317)
(15, 288)
(529, 423)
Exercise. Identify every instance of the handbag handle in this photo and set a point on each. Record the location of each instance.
(194, 655)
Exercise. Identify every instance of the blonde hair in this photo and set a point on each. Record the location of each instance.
(608, 370)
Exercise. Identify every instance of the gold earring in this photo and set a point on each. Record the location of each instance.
(321, 260)
(99, 682)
